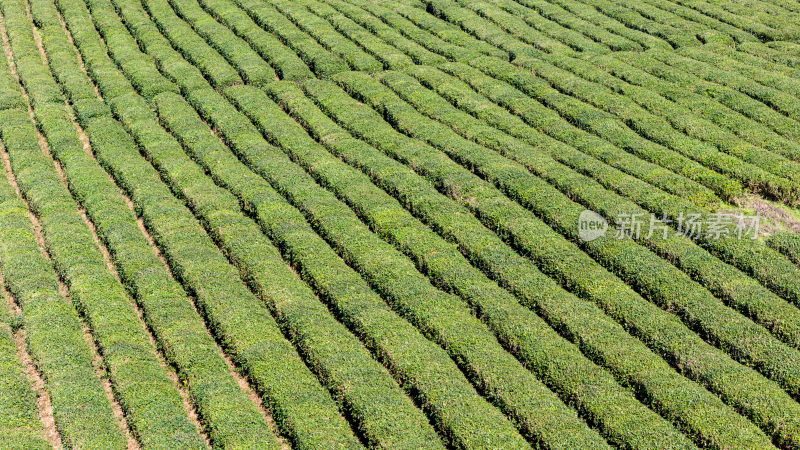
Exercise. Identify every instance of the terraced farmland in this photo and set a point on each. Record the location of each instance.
(407, 224)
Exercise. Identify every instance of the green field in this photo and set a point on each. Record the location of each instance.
(400, 224)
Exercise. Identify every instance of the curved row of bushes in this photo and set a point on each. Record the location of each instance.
(562, 16)
(151, 402)
(328, 36)
(446, 31)
(598, 336)
(285, 62)
(701, 106)
(580, 273)
(168, 312)
(242, 326)
(20, 426)
(421, 36)
(750, 256)
(586, 187)
(387, 54)
(699, 77)
(513, 325)
(393, 34)
(654, 118)
(549, 122)
(651, 275)
(251, 67)
(321, 61)
(55, 338)
(606, 126)
(424, 369)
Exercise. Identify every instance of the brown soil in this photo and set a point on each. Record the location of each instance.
(43, 403)
(776, 217)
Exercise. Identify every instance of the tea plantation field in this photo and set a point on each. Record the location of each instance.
(400, 224)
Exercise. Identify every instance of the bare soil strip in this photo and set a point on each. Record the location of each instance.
(43, 403)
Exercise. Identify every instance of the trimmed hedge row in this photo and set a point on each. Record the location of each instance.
(612, 25)
(95, 61)
(132, 59)
(61, 55)
(786, 4)
(419, 36)
(751, 130)
(365, 388)
(651, 275)
(301, 407)
(528, 111)
(748, 22)
(106, 75)
(488, 32)
(700, 106)
(557, 362)
(573, 38)
(181, 36)
(565, 18)
(53, 329)
(788, 243)
(327, 36)
(703, 22)
(446, 31)
(389, 56)
(715, 55)
(251, 67)
(243, 328)
(20, 427)
(577, 270)
(530, 28)
(759, 261)
(550, 122)
(402, 348)
(10, 95)
(249, 259)
(492, 141)
(751, 62)
(655, 118)
(605, 125)
(781, 17)
(286, 63)
(750, 256)
(787, 47)
(514, 326)
(628, 16)
(383, 30)
(726, 282)
(698, 64)
(325, 356)
(769, 52)
(441, 317)
(171, 317)
(700, 32)
(711, 81)
(149, 399)
(320, 60)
